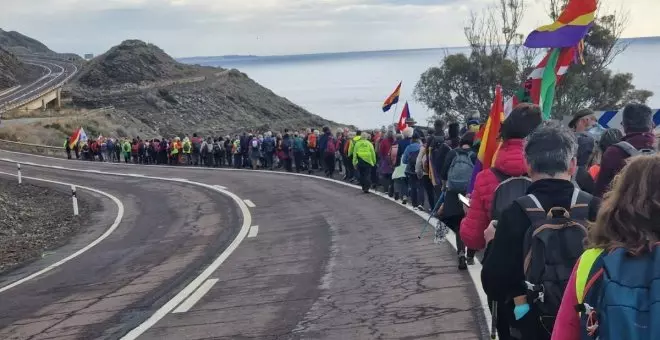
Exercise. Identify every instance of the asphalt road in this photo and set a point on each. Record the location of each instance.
(53, 72)
(328, 262)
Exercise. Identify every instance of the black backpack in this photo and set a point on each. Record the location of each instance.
(509, 190)
(217, 149)
(552, 246)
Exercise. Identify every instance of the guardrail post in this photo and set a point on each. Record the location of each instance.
(20, 179)
(75, 200)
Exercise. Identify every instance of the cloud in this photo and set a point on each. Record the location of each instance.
(265, 27)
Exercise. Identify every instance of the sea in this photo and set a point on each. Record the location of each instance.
(350, 87)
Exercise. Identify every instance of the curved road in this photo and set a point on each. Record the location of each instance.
(53, 72)
(327, 262)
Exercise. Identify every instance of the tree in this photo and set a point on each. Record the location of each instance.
(462, 85)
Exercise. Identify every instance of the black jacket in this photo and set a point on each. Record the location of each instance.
(502, 275)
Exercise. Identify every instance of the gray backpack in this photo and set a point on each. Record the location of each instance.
(632, 151)
(460, 171)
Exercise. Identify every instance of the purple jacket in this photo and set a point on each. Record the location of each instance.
(614, 159)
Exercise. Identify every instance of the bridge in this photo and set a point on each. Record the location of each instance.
(42, 91)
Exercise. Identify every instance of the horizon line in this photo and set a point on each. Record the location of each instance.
(360, 51)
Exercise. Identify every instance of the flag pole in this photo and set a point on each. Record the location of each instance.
(396, 108)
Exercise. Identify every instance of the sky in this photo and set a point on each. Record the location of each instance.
(185, 28)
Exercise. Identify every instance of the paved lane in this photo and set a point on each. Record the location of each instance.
(160, 245)
(327, 262)
(53, 73)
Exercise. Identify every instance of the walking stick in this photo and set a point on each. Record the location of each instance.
(441, 200)
(493, 326)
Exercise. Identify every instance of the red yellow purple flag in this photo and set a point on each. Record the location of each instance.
(569, 29)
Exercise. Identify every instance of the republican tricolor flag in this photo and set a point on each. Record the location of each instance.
(78, 136)
(392, 99)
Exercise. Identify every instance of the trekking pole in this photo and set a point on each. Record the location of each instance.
(441, 200)
(20, 179)
(493, 326)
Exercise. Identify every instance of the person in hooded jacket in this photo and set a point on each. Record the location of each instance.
(409, 158)
(364, 159)
(510, 161)
(638, 127)
(437, 153)
(385, 167)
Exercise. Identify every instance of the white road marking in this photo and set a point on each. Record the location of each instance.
(201, 278)
(254, 230)
(474, 270)
(136, 175)
(220, 187)
(115, 224)
(196, 296)
(250, 203)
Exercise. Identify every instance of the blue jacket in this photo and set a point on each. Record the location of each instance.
(323, 141)
(403, 145)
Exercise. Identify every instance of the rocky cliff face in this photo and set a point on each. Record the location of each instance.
(175, 98)
(13, 71)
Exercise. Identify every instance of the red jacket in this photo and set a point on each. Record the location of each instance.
(511, 161)
(614, 159)
(384, 148)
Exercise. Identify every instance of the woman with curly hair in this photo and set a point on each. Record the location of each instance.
(614, 290)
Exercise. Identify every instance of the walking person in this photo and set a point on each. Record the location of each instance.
(385, 166)
(255, 152)
(67, 148)
(364, 159)
(612, 292)
(539, 237)
(328, 147)
(298, 151)
(409, 158)
(456, 174)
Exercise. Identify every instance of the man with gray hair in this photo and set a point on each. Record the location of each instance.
(638, 127)
(551, 152)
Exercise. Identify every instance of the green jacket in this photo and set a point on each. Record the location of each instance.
(126, 147)
(351, 145)
(364, 150)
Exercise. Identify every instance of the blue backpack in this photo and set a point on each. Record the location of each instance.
(619, 295)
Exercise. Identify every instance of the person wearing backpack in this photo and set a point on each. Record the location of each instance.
(613, 291)
(328, 147)
(298, 151)
(509, 167)
(456, 174)
(269, 150)
(196, 149)
(437, 155)
(364, 159)
(255, 152)
(539, 237)
(409, 159)
(637, 124)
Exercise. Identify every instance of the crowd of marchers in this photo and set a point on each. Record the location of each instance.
(566, 218)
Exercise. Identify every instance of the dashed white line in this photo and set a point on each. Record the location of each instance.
(249, 203)
(196, 296)
(254, 230)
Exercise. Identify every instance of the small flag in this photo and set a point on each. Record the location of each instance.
(569, 29)
(392, 99)
(548, 84)
(405, 114)
(488, 136)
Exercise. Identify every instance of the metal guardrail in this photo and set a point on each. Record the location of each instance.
(10, 106)
(30, 144)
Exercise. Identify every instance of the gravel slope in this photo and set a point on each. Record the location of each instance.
(33, 220)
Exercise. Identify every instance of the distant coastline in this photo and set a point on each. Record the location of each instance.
(233, 58)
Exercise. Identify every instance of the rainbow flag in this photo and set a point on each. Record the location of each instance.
(488, 137)
(569, 29)
(78, 136)
(392, 99)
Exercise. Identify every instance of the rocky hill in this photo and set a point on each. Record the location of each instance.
(175, 98)
(13, 71)
(20, 44)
